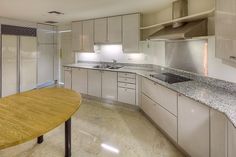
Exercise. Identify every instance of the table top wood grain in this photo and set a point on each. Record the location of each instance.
(28, 115)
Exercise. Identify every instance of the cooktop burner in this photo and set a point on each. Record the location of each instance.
(170, 78)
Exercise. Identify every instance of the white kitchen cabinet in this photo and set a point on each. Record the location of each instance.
(83, 36)
(67, 78)
(131, 33)
(88, 36)
(127, 88)
(77, 36)
(164, 119)
(193, 127)
(167, 122)
(100, 30)
(80, 80)
(162, 95)
(218, 134)
(225, 23)
(109, 85)
(114, 30)
(126, 95)
(95, 83)
(149, 107)
(231, 140)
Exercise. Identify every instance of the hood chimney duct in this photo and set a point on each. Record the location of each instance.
(179, 9)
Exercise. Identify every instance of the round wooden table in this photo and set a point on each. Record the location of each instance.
(30, 115)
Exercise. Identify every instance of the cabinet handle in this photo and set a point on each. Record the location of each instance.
(232, 57)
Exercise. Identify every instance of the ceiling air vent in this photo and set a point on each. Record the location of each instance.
(51, 22)
(56, 12)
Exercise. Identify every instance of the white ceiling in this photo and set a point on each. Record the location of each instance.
(36, 10)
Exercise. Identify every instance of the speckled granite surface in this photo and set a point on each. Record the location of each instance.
(217, 94)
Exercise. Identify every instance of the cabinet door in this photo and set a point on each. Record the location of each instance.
(126, 95)
(88, 36)
(9, 65)
(231, 140)
(193, 127)
(28, 63)
(225, 23)
(77, 36)
(94, 83)
(100, 30)
(131, 33)
(67, 78)
(218, 134)
(79, 80)
(115, 29)
(109, 85)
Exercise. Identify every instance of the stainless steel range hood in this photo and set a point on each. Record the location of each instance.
(188, 30)
(181, 30)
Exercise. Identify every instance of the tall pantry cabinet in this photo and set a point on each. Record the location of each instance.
(19, 59)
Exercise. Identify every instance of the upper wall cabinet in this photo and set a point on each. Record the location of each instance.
(225, 24)
(114, 29)
(123, 30)
(100, 30)
(88, 36)
(83, 36)
(131, 33)
(77, 36)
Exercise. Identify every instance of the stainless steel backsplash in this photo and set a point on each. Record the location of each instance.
(188, 55)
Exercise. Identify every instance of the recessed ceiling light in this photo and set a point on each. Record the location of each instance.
(56, 12)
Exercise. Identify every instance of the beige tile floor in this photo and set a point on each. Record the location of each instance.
(102, 130)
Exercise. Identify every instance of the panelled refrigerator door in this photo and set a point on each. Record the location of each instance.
(28, 63)
(9, 65)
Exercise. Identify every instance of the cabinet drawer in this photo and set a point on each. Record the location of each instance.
(126, 95)
(126, 80)
(126, 85)
(149, 107)
(162, 95)
(167, 121)
(164, 119)
(128, 75)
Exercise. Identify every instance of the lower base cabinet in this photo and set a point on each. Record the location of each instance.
(218, 134)
(231, 140)
(80, 80)
(126, 95)
(109, 85)
(95, 83)
(67, 78)
(164, 119)
(193, 127)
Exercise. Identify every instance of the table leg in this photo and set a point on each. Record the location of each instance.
(40, 139)
(68, 138)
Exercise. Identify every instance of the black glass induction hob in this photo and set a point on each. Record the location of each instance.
(170, 78)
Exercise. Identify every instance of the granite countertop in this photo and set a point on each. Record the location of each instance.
(215, 97)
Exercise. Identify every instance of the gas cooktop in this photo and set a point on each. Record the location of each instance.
(170, 78)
